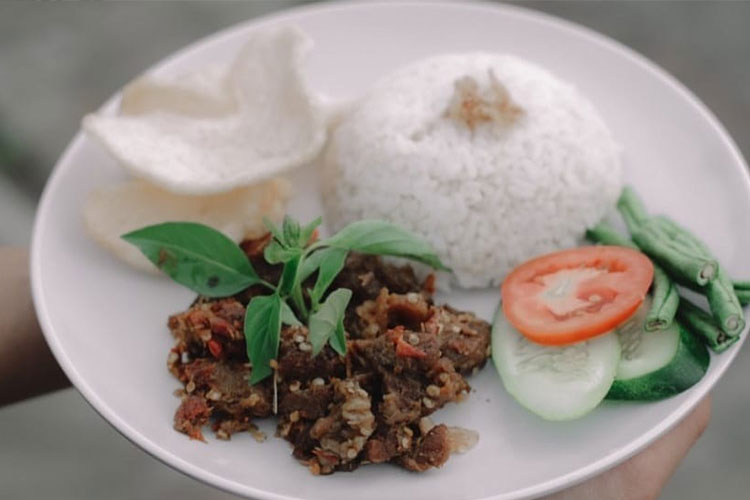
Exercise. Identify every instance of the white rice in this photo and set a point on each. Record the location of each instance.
(489, 197)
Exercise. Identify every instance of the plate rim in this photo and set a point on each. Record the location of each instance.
(174, 461)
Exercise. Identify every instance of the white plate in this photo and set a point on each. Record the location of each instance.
(106, 323)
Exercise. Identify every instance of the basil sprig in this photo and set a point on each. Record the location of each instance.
(330, 264)
(324, 322)
(383, 238)
(262, 328)
(211, 264)
(197, 257)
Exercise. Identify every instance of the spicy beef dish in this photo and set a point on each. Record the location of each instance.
(406, 358)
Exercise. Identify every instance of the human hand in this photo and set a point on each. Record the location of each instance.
(27, 367)
(643, 476)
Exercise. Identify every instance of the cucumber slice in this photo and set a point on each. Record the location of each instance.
(556, 383)
(656, 365)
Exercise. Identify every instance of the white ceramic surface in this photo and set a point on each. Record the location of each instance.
(106, 322)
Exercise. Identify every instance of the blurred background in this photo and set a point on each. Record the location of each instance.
(59, 61)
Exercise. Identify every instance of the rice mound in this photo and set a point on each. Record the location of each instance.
(488, 194)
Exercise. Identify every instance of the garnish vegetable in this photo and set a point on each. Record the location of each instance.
(665, 297)
(572, 295)
(742, 290)
(211, 264)
(554, 382)
(656, 364)
(686, 258)
(685, 266)
(655, 240)
(704, 325)
(722, 299)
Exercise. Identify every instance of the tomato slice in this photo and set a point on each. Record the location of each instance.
(569, 296)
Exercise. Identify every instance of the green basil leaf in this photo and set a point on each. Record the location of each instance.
(287, 315)
(291, 231)
(324, 322)
(330, 266)
(274, 253)
(289, 275)
(308, 231)
(196, 256)
(262, 328)
(311, 264)
(383, 238)
(273, 229)
(338, 340)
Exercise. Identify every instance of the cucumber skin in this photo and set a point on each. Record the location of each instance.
(668, 380)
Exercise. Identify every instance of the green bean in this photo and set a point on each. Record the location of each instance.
(704, 326)
(725, 305)
(680, 235)
(607, 235)
(631, 208)
(688, 260)
(725, 300)
(664, 242)
(743, 296)
(722, 299)
(678, 262)
(663, 291)
(665, 301)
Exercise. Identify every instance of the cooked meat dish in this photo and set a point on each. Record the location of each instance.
(406, 358)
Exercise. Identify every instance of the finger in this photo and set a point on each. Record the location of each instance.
(27, 367)
(657, 463)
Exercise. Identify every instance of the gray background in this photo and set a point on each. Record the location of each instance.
(59, 61)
